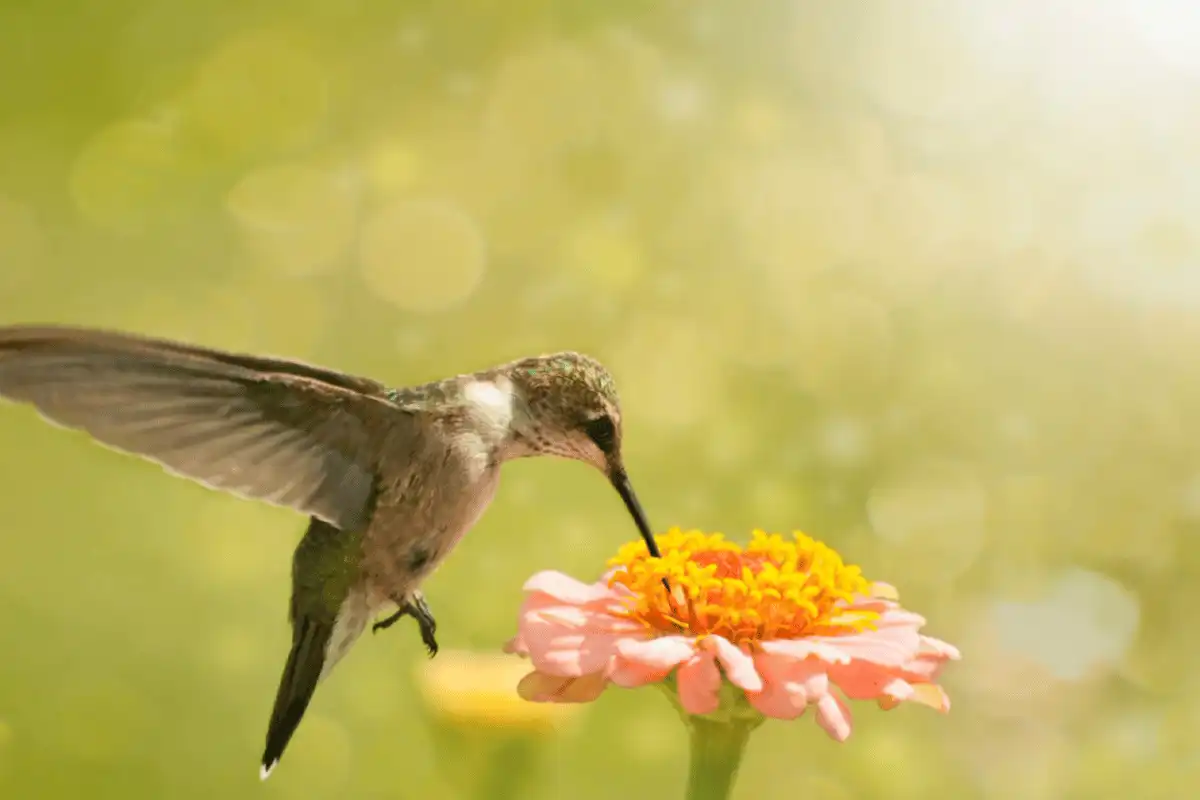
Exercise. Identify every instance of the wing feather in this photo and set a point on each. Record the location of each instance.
(268, 429)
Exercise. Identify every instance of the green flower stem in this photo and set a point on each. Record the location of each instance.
(716, 753)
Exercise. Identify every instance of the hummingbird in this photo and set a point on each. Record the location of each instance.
(391, 478)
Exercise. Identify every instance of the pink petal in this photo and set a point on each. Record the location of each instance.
(567, 589)
(877, 649)
(570, 654)
(822, 648)
(890, 684)
(699, 681)
(568, 649)
(862, 680)
(571, 616)
(665, 652)
(541, 688)
(834, 716)
(895, 641)
(516, 646)
(939, 648)
(923, 668)
(899, 618)
(594, 619)
(738, 665)
(896, 690)
(895, 693)
(779, 698)
(871, 604)
(632, 674)
(927, 694)
(639, 662)
(932, 695)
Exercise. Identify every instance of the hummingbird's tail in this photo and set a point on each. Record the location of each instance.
(317, 644)
(300, 677)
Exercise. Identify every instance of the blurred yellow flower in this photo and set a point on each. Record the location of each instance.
(477, 689)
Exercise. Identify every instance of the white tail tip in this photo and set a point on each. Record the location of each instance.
(265, 771)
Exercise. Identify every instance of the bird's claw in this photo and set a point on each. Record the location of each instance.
(415, 607)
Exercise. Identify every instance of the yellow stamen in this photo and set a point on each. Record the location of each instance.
(773, 588)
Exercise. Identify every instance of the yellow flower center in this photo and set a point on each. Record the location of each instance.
(771, 589)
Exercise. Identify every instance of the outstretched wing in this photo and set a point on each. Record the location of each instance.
(279, 431)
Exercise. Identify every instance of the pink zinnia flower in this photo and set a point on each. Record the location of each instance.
(786, 622)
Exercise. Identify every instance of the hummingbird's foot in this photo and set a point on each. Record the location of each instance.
(418, 609)
(384, 624)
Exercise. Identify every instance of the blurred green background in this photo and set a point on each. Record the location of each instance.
(919, 278)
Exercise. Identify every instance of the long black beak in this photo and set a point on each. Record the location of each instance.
(620, 481)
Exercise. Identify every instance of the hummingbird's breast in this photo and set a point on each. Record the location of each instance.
(426, 507)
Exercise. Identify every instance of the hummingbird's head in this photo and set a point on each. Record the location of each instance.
(567, 406)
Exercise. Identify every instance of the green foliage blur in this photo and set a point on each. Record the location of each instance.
(919, 278)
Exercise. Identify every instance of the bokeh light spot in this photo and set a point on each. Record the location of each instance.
(920, 229)
(605, 252)
(123, 177)
(260, 91)
(1189, 499)
(544, 99)
(679, 359)
(730, 446)
(682, 100)
(759, 121)
(297, 219)
(422, 256)
(841, 343)
(934, 511)
(1137, 737)
(1143, 246)
(1169, 28)
(393, 167)
(843, 441)
(1086, 620)
(776, 501)
(906, 70)
(796, 215)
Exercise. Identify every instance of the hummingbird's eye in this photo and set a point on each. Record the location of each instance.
(601, 431)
